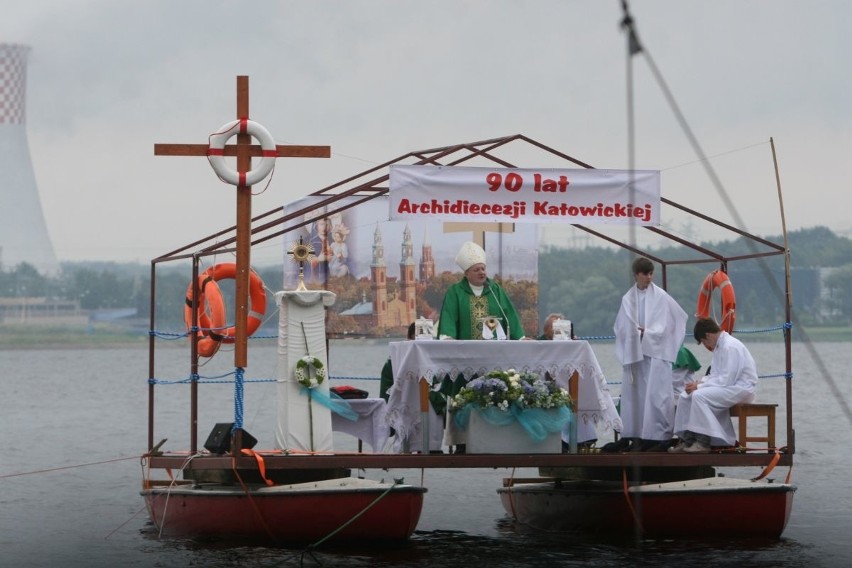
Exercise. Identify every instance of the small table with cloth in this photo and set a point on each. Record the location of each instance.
(371, 425)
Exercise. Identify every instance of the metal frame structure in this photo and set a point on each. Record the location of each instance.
(373, 183)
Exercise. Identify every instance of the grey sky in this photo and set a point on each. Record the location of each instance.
(375, 79)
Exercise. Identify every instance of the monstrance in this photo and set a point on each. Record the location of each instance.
(301, 252)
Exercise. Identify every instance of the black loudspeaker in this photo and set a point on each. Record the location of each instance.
(219, 440)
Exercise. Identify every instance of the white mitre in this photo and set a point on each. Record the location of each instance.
(470, 254)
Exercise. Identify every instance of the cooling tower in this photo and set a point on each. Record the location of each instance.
(23, 232)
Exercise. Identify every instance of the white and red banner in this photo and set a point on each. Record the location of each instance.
(506, 195)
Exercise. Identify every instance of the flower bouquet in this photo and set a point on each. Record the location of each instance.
(536, 403)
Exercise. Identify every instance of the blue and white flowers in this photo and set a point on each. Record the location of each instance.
(503, 390)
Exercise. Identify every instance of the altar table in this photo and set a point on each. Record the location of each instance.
(434, 359)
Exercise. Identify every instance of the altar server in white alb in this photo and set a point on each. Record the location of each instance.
(703, 416)
(649, 331)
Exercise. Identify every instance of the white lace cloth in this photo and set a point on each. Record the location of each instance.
(435, 359)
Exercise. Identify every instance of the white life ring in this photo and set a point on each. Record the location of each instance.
(216, 152)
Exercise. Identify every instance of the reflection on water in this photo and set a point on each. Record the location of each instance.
(513, 547)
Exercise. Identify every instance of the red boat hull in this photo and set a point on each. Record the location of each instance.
(714, 507)
(296, 513)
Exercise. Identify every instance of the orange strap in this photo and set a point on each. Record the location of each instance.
(769, 467)
(260, 465)
(626, 488)
(511, 494)
(254, 506)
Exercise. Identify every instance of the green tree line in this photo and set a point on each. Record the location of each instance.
(585, 284)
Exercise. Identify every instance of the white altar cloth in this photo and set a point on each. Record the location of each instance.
(371, 426)
(435, 359)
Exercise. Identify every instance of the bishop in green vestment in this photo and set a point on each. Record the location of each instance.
(475, 298)
(471, 301)
(472, 309)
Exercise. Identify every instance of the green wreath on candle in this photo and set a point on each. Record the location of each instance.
(310, 372)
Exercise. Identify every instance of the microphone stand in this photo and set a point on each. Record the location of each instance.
(505, 317)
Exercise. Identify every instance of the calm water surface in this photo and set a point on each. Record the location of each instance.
(63, 409)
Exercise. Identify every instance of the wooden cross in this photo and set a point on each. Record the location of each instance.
(244, 151)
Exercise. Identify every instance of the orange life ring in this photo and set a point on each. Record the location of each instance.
(257, 295)
(720, 280)
(211, 315)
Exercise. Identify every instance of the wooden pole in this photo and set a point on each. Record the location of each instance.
(424, 415)
(788, 286)
(243, 232)
(574, 392)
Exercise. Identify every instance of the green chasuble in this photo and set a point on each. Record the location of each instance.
(685, 359)
(462, 312)
(436, 399)
(386, 380)
(461, 318)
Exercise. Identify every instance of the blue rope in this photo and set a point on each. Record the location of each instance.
(212, 380)
(174, 335)
(195, 329)
(220, 380)
(238, 397)
(204, 380)
(784, 375)
(780, 327)
(166, 335)
(596, 337)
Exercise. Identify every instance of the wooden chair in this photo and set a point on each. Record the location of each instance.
(744, 411)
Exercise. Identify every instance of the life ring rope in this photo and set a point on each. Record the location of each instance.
(257, 295)
(718, 279)
(216, 152)
(214, 328)
(211, 315)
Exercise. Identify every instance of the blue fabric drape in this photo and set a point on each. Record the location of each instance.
(334, 402)
(538, 422)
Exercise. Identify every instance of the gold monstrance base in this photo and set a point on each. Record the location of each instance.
(301, 287)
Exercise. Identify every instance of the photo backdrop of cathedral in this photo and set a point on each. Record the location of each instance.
(388, 273)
